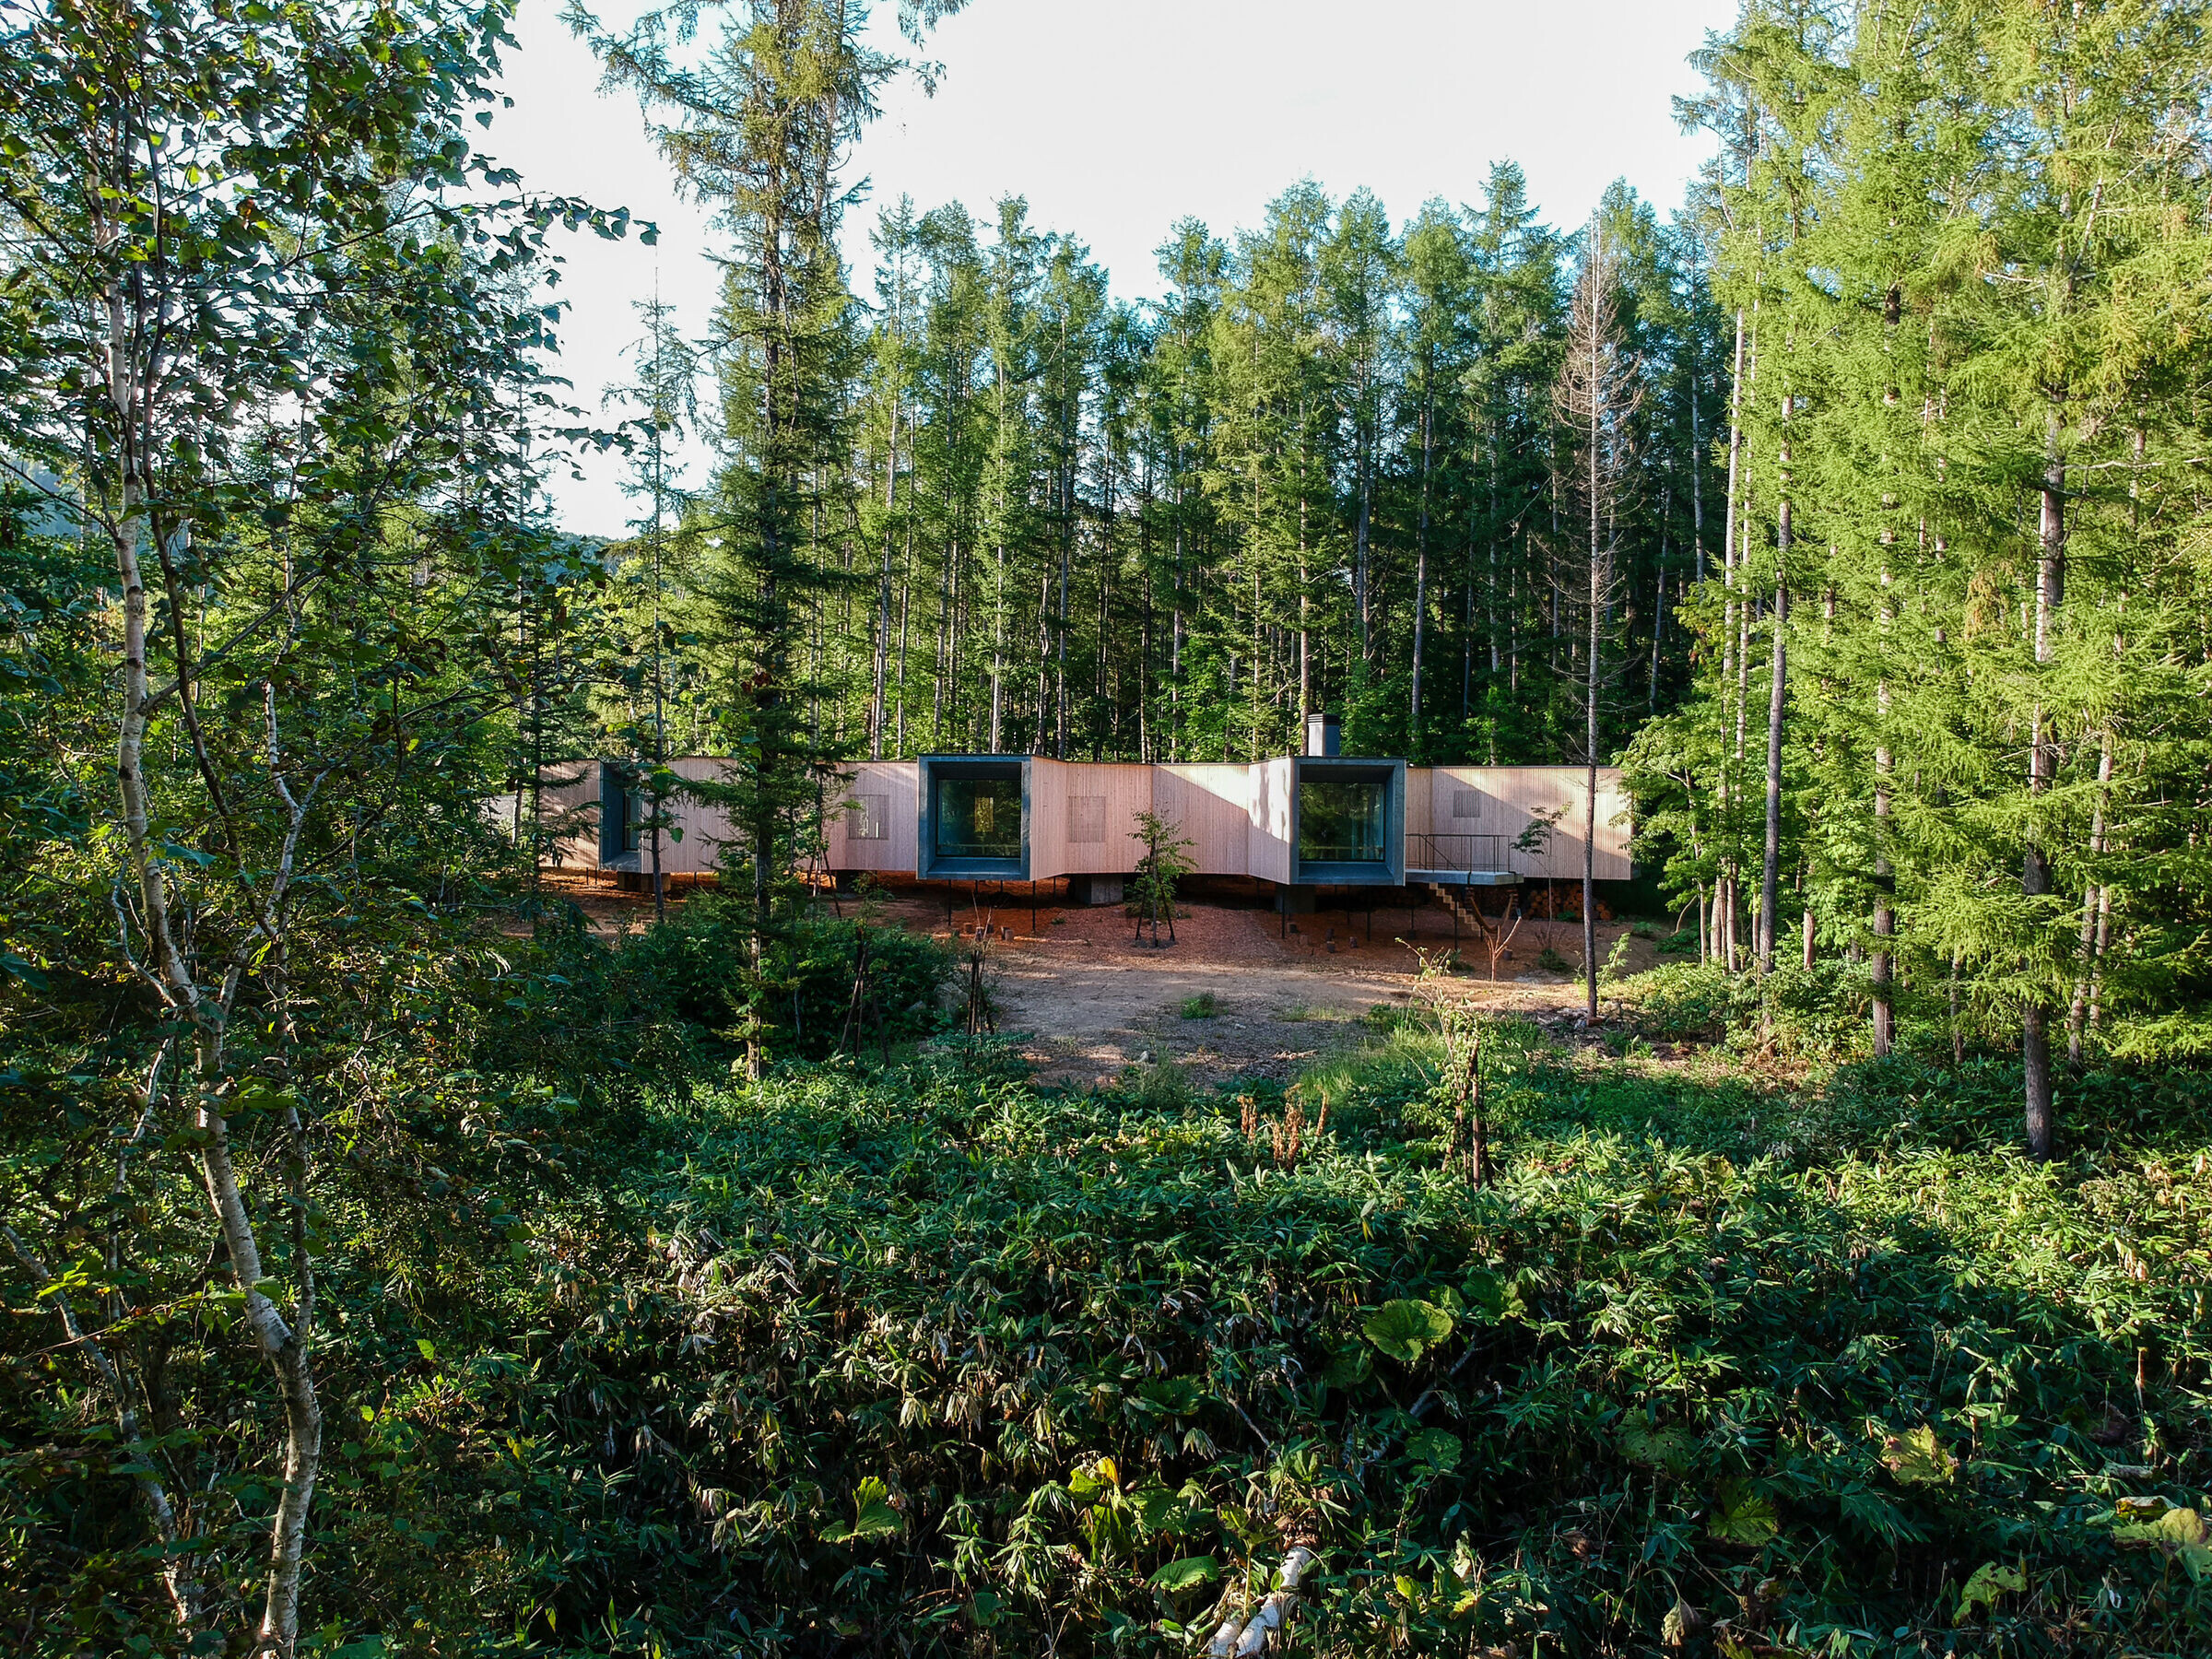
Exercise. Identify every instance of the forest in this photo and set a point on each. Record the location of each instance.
(397, 1264)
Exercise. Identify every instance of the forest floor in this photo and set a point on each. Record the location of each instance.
(1090, 999)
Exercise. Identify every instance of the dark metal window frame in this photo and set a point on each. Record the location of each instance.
(936, 768)
(1388, 871)
(617, 825)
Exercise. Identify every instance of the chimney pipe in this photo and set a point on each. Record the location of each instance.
(1325, 733)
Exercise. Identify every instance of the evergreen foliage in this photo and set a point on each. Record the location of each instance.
(1968, 247)
(392, 1264)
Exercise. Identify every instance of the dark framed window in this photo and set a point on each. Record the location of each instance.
(1341, 820)
(977, 817)
(620, 810)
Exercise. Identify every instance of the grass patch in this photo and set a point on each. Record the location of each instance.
(1202, 1007)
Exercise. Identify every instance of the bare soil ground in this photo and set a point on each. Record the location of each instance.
(1090, 998)
(1093, 998)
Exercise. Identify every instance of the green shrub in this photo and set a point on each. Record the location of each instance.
(1680, 1002)
(1164, 1086)
(693, 967)
(1202, 1007)
(1800, 1385)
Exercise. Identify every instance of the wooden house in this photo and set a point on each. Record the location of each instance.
(1297, 821)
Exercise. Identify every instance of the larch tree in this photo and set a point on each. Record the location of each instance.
(1596, 396)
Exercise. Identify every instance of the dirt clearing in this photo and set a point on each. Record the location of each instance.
(1091, 999)
(1238, 994)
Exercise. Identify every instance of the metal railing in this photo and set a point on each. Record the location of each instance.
(1457, 852)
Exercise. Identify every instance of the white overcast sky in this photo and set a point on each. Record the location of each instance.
(1114, 118)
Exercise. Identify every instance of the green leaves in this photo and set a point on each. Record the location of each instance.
(1917, 1458)
(1436, 1451)
(1405, 1330)
(1664, 1447)
(1349, 1367)
(1184, 1574)
(873, 1516)
(2180, 1533)
(1990, 1580)
(1741, 1517)
(1485, 1294)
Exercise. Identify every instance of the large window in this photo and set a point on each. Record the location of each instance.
(1340, 821)
(978, 817)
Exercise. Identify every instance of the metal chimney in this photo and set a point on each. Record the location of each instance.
(1325, 733)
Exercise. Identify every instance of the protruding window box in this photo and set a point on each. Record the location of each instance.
(1347, 822)
(974, 823)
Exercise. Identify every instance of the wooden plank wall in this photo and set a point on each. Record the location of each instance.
(1213, 806)
(1119, 792)
(706, 829)
(1267, 837)
(1509, 796)
(898, 783)
(1422, 785)
(571, 800)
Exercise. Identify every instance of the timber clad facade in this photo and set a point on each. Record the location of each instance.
(1293, 820)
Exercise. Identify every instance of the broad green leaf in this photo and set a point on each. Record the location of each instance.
(2180, 1533)
(1182, 1574)
(1437, 1448)
(1663, 1447)
(1405, 1330)
(1742, 1517)
(1990, 1580)
(1917, 1457)
(873, 1516)
(1484, 1293)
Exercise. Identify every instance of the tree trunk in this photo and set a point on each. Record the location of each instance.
(171, 978)
(876, 705)
(2035, 865)
(1770, 866)
(2093, 904)
(1420, 581)
(1597, 600)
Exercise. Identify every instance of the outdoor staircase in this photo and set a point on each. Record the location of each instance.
(1457, 903)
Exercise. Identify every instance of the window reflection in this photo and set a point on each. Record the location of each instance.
(978, 817)
(1339, 821)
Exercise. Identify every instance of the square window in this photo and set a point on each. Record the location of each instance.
(1467, 804)
(978, 817)
(869, 818)
(1340, 821)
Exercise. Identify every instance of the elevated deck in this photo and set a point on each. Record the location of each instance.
(1460, 859)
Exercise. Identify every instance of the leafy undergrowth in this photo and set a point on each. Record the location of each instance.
(929, 1361)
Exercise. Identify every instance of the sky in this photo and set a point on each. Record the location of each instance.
(1115, 120)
